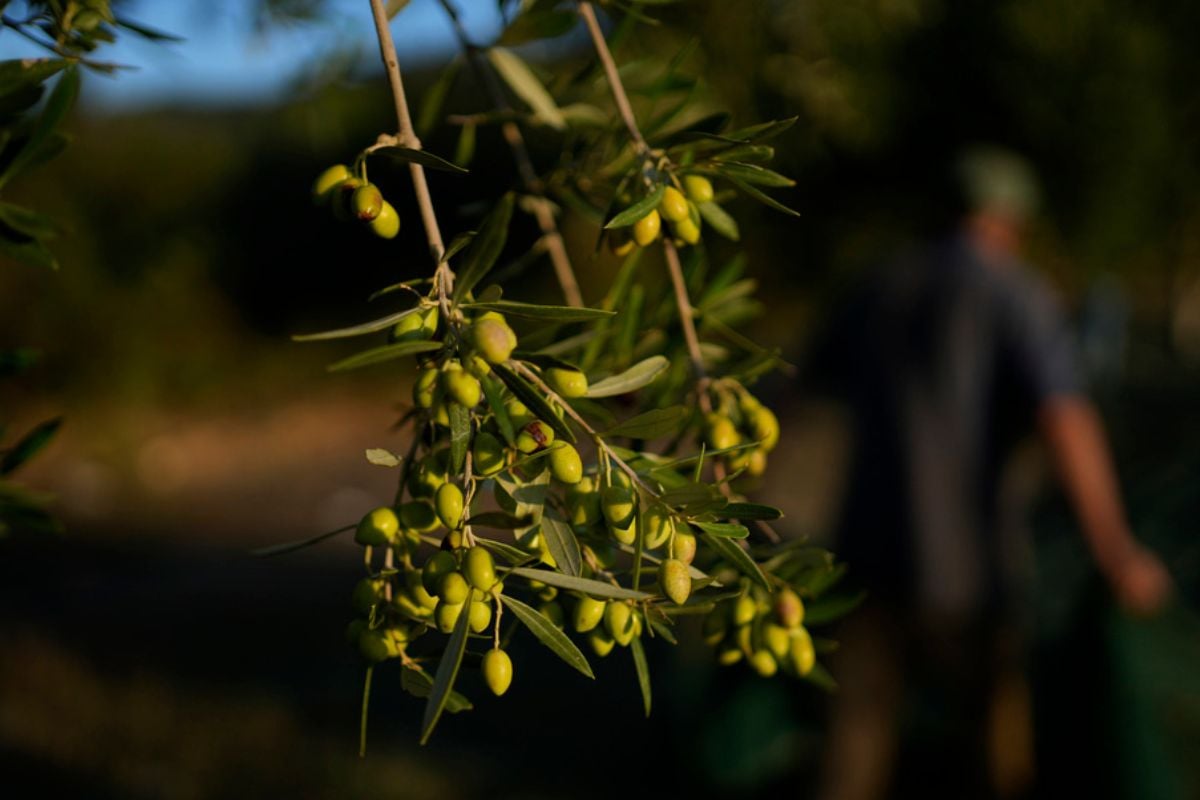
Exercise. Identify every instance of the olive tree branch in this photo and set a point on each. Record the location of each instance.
(614, 78)
(444, 276)
(529, 177)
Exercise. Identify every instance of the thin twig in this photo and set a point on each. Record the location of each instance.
(529, 177)
(614, 77)
(444, 276)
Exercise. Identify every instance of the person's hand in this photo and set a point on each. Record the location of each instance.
(1141, 581)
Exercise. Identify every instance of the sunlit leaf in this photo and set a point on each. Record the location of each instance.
(485, 248)
(639, 209)
(520, 78)
(387, 352)
(639, 375)
(547, 634)
(651, 424)
(443, 680)
(585, 585)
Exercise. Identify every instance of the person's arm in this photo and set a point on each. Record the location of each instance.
(1078, 444)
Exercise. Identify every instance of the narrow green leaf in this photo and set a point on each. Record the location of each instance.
(821, 678)
(146, 32)
(374, 326)
(753, 173)
(520, 78)
(547, 634)
(288, 547)
(485, 248)
(417, 682)
(651, 424)
(730, 551)
(639, 375)
(538, 405)
(750, 511)
(443, 680)
(387, 352)
(458, 243)
(764, 198)
(727, 530)
(511, 554)
(435, 98)
(27, 222)
(58, 105)
(720, 221)
(643, 671)
(639, 209)
(540, 312)
(460, 436)
(498, 519)
(827, 609)
(492, 390)
(464, 151)
(18, 73)
(574, 584)
(382, 457)
(561, 541)
(29, 444)
(407, 155)
(28, 251)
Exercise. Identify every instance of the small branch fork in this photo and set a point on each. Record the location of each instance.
(529, 178)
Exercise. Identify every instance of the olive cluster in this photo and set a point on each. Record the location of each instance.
(766, 630)
(678, 208)
(743, 430)
(349, 197)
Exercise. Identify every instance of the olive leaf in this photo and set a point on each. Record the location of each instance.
(639, 209)
(535, 311)
(374, 326)
(29, 444)
(829, 608)
(640, 374)
(547, 634)
(534, 401)
(417, 682)
(382, 457)
(750, 511)
(288, 547)
(520, 78)
(727, 530)
(443, 680)
(561, 541)
(643, 671)
(585, 585)
(460, 435)
(737, 557)
(719, 220)
(485, 247)
(387, 352)
(651, 424)
(409, 155)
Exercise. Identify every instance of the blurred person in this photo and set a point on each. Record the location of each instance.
(948, 360)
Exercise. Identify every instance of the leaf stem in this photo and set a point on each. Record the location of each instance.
(529, 177)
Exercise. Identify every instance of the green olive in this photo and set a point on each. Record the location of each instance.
(722, 434)
(416, 590)
(437, 567)
(375, 646)
(729, 655)
(699, 188)
(426, 388)
(620, 242)
(327, 180)
(487, 454)
(366, 202)
(340, 195)
(480, 568)
(687, 230)
(535, 436)
(683, 546)
(565, 464)
(625, 534)
(674, 205)
(744, 610)
(675, 580)
(618, 619)
(715, 626)
(378, 527)
(567, 382)
(449, 504)
(646, 229)
(618, 504)
(419, 515)
(428, 474)
(368, 593)
(481, 616)
(658, 525)
(387, 224)
(789, 608)
(553, 612)
(446, 615)
(494, 340)
(497, 671)
(462, 387)
(765, 426)
(588, 613)
(419, 324)
(601, 641)
(801, 652)
(777, 639)
(583, 502)
(454, 589)
(764, 663)
(518, 413)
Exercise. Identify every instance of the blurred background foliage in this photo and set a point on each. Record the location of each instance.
(143, 656)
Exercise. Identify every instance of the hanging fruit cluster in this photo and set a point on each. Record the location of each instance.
(352, 197)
